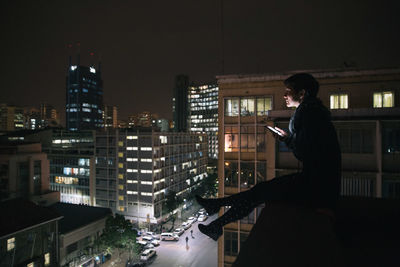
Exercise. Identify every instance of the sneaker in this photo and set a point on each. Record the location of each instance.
(210, 231)
(207, 204)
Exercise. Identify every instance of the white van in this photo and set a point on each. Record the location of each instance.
(169, 236)
(147, 254)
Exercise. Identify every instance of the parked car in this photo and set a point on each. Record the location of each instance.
(147, 254)
(147, 238)
(202, 213)
(169, 236)
(135, 264)
(192, 220)
(202, 218)
(149, 245)
(186, 225)
(179, 231)
(142, 242)
(155, 242)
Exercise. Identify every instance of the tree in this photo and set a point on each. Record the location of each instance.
(118, 235)
(171, 203)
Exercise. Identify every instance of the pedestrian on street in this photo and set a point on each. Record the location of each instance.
(191, 232)
(187, 240)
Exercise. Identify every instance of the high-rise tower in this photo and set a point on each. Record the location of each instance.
(84, 103)
(180, 103)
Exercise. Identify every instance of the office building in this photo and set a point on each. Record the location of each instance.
(136, 168)
(71, 159)
(84, 103)
(365, 111)
(203, 114)
(49, 116)
(180, 108)
(11, 118)
(24, 173)
(110, 117)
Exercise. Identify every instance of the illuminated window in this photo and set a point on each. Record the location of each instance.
(121, 197)
(145, 160)
(120, 165)
(339, 101)
(120, 176)
(231, 139)
(121, 187)
(121, 209)
(132, 137)
(10, 243)
(120, 154)
(231, 107)
(120, 143)
(145, 148)
(131, 148)
(131, 159)
(30, 264)
(263, 105)
(383, 100)
(146, 194)
(47, 259)
(247, 107)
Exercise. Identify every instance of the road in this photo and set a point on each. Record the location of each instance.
(201, 250)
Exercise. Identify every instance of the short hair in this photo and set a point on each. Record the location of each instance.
(300, 81)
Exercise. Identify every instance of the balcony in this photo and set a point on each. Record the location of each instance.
(366, 233)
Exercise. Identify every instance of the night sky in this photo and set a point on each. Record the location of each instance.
(144, 44)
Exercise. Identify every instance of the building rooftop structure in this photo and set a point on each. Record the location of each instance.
(19, 214)
(76, 216)
(366, 229)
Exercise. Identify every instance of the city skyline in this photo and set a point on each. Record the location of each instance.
(142, 48)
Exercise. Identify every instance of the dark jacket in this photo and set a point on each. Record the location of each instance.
(314, 142)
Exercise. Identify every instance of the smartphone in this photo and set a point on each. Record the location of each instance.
(272, 129)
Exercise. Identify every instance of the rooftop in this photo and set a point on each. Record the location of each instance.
(366, 233)
(76, 216)
(20, 214)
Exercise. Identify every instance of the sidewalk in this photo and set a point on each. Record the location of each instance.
(184, 215)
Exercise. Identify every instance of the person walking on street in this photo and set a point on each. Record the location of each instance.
(187, 240)
(191, 232)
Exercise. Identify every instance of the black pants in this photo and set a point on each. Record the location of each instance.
(292, 187)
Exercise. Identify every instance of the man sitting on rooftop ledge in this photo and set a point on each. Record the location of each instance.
(313, 140)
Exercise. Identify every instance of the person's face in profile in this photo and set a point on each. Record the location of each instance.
(292, 99)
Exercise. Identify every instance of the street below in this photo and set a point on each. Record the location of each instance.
(200, 250)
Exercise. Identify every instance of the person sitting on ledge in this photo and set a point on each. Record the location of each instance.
(313, 140)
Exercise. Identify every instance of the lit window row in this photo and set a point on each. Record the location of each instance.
(146, 182)
(131, 159)
(131, 137)
(131, 170)
(131, 148)
(146, 160)
(146, 194)
(380, 100)
(131, 181)
(145, 148)
(132, 192)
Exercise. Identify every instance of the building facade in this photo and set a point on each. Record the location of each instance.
(137, 168)
(84, 98)
(180, 106)
(203, 114)
(32, 242)
(365, 111)
(110, 117)
(11, 118)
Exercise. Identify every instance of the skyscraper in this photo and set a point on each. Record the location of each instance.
(110, 117)
(84, 103)
(203, 114)
(180, 103)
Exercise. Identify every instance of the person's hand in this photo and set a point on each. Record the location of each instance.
(283, 135)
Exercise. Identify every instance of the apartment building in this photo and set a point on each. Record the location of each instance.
(137, 167)
(365, 111)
